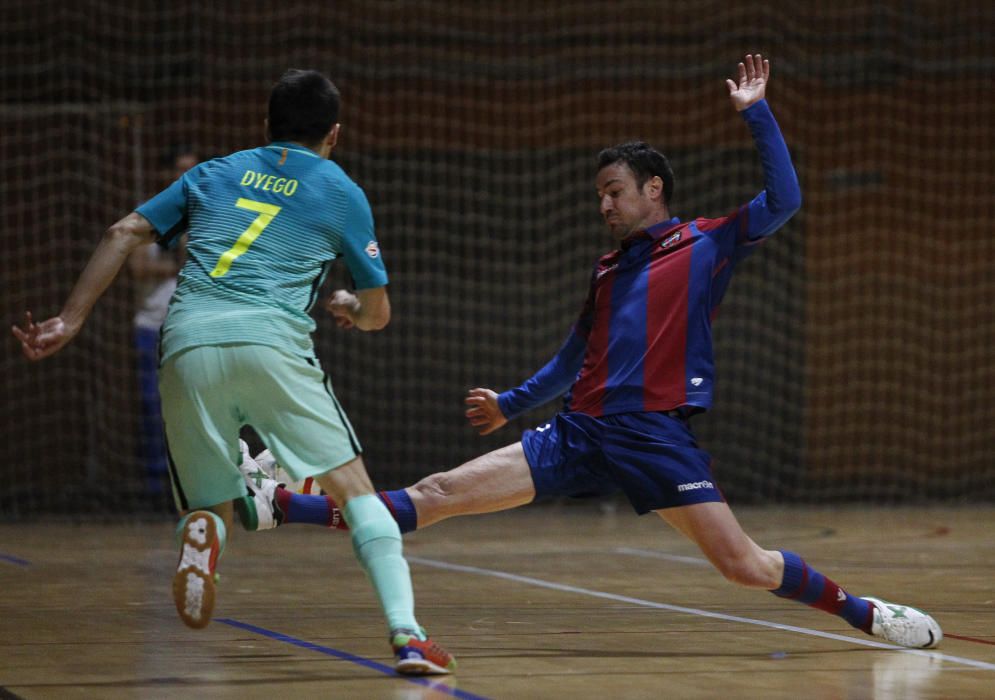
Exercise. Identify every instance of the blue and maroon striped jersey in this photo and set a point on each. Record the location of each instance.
(643, 341)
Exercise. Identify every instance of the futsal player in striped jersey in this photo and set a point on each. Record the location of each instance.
(637, 365)
(263, 227)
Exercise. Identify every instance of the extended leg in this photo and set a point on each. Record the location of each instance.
(495, 481)
(498, 480)
(714, 528)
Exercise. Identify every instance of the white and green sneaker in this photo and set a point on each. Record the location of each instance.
(904, 625)
(258, 509)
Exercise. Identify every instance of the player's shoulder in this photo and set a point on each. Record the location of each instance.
(334, 172)
(337, 180)
(705, 224)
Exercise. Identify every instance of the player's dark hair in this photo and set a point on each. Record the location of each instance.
(644, 161)
(303, 107)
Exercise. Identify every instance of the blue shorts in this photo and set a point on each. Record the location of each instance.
(651, 457)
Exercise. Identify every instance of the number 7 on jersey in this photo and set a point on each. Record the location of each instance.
(266, 212)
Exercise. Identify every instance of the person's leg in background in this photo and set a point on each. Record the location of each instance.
(152, 442)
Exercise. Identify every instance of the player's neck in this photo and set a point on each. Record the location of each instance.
(322, 148)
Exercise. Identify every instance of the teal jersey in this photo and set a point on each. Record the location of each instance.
(263, 227)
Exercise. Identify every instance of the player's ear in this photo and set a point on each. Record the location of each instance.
(333, 137)
(654, 188)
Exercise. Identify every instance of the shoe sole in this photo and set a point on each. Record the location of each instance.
(420, 667)
(193, 583)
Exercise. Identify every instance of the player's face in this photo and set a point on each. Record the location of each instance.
(624, 206)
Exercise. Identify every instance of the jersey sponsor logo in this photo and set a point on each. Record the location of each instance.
(269, 183)
(373, 249)
(696, 381)
(605, 271)
(671, 239)
(695, 485)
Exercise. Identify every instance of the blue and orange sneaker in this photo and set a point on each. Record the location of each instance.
(416, 657)
(193, 583)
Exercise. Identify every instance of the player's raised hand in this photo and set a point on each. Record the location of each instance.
(754, 74)
(484, 412)
(343, 305)
(40, 340)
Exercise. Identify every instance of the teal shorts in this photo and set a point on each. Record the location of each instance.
(210, 392)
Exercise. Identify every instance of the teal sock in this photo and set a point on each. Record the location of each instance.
(377, 543)
(219, 526)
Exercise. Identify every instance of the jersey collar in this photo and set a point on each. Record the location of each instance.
(654, 232)
(295, 147)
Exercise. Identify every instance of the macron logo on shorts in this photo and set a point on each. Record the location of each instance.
(695, 485)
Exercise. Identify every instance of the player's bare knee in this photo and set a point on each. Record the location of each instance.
(743, 571)
(434, 488)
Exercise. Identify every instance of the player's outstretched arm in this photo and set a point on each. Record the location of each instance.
(781, 196)
(39, 340)
(548, 383)
(754, 74)
(484, 413)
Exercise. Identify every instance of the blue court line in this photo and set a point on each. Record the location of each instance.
(352, 658)
(14, 560)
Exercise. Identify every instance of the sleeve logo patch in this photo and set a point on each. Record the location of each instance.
(373, 249)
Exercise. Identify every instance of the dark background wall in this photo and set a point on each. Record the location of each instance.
(854, 349)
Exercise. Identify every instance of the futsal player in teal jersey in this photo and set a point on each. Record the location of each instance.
(263, 226)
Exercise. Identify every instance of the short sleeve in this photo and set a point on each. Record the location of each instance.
(359, 244)
(167, 211)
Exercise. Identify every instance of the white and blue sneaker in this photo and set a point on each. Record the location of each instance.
(904, 625)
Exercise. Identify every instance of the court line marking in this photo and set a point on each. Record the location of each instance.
(969, 639)
(352, 658)
(655, 554)
(695, 611)
(14, 560)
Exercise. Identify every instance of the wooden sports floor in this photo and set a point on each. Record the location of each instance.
(550, 601)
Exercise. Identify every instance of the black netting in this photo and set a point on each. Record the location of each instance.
(854, 349)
